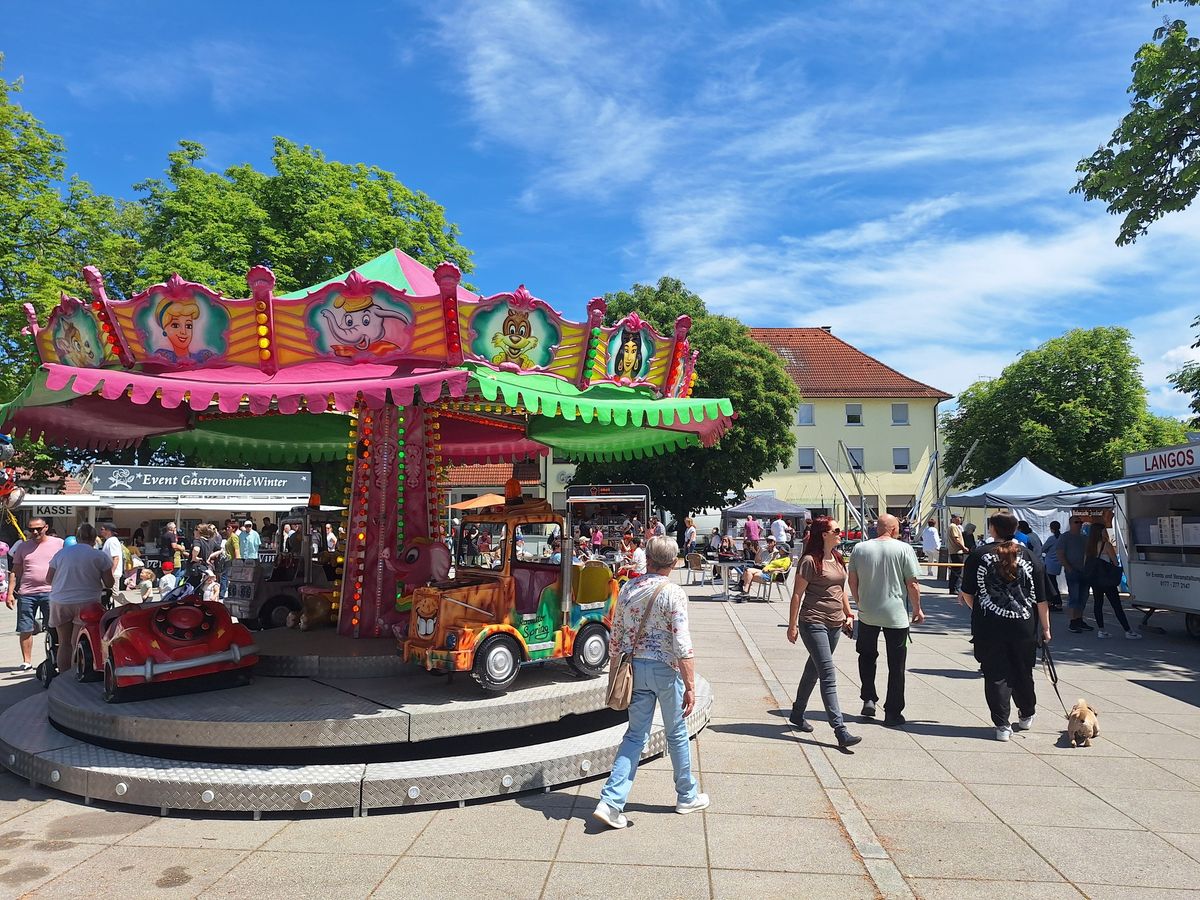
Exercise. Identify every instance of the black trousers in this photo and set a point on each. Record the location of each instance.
(1053, 594)
(954, 578)
(867, 645)
(1114, 600)
(1007, 676)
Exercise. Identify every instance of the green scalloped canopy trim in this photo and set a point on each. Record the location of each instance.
(599, 442)
(605, 403)
(34, 394)
(265, 439)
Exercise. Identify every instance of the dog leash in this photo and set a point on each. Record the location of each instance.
(1052, 675)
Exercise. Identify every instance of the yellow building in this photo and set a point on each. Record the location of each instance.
(854, 410)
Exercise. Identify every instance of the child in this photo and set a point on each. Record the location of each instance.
(166, 583)
(210, 589)
(145, 586)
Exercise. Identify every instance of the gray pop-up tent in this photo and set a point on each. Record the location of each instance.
(763, 506)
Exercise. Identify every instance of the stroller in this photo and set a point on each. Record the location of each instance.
(48, 667)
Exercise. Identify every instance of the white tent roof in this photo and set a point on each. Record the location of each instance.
(1024, 485)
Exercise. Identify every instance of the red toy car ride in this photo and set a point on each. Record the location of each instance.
(177, 639)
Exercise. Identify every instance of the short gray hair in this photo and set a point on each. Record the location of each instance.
(661, 553)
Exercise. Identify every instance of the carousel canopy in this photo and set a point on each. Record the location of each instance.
(182, 367)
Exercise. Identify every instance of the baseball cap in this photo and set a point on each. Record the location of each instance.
(168, 566)
(249, 522)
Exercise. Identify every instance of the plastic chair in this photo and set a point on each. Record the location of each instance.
(696, 566)
(767, 589)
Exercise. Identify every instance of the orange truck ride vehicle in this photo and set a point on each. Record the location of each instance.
(519, 592)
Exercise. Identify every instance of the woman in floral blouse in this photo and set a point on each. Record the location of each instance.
(663, 673)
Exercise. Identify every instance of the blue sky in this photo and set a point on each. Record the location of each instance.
(899, 171)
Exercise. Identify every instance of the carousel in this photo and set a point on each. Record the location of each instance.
(401, 372)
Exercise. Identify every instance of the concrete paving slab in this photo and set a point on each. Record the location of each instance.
(773, 843)
(430, 879)
(1177, 811)
(122, 870)
(26, 864)
(59, 820)
(603, 881)
(978, 850)
(656, 837)
(1101, 772)
(738, 884)
(1189, 723)
(766, 795)
(917, 801)
(506, 830)
(392, 834)
(1157, 746)
(209, 834)
(1125, 892)
(264, 873)
(1097, 856)
(777, 758)
(738, 731)
(950, 889)
(999, 768)
(886, 762)
(17, 796)
(1026, 805)
(1187, 769)
(1188, 843)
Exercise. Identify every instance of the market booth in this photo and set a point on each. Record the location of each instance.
(401, 372)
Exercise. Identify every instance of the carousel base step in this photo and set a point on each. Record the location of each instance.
(32, 748)
(326, 714)
(323, 653)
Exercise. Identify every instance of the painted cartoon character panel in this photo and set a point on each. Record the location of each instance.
(358, 326)
(519, 338)
(76, 339)
(420, 561)
(185, 329)
(630, 352)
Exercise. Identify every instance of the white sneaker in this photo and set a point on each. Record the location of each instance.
(701, 802)
(1132, 635)
(1024, 723)
(1003, 734)
(609, 816)
(28, 667)
(1103, 634)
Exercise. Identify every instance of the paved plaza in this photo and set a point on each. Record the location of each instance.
(938, 810)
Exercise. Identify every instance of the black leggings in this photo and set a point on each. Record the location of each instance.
(1114, 600)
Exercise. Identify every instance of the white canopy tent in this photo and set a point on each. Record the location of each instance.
(1032, 494)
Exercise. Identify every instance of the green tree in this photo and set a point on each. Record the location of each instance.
(731, 364)
(1151, 164)
(309, 220)
(1075, 406)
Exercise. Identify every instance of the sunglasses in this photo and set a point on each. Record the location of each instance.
(37, 530)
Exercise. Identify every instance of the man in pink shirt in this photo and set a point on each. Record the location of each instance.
(28, 586)
(753, 529)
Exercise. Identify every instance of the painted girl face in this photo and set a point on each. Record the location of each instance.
(628, 358)
(179, 332)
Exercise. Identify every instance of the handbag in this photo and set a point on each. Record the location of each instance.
(620, 669)
(1107, 574)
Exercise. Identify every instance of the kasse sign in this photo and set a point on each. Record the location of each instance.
(164, 480)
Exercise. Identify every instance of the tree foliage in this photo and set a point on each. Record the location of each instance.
(1151, 164)
(731, 364)
(1075, 406)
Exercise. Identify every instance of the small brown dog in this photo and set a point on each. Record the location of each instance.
(1082, 725)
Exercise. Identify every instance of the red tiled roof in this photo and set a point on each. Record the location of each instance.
(823, 365)
(492, 475)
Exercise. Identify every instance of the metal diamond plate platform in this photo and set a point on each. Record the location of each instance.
(326, 713)
(287, 653)
(32, 748)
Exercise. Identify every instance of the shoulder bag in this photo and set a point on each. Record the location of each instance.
(620, 669)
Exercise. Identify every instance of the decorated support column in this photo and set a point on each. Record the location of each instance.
(368, 584)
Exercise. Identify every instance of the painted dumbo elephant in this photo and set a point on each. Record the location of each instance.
(360, 326)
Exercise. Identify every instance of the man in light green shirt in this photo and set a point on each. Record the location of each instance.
(883, 574)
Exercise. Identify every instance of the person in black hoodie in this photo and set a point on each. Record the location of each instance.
(1004, 584)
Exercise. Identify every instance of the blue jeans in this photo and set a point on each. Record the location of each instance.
(1077, 590)
(28, 607)
(653, 682)
(820, 641)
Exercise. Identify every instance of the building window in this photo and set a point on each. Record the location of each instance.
(899, 413)
(900, 459)
(807, 459)
(854, 414)
(857, 458)
(804, 415)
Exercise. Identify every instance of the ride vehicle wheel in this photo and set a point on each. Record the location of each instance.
(275, 612)
(589, 656)
(85, 669)
(1192, 623)
(112, 693)
(497, 663)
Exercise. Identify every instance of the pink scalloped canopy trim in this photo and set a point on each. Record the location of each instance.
(93, 423)
(312, 383)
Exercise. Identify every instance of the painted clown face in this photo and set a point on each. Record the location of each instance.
(425, 609)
